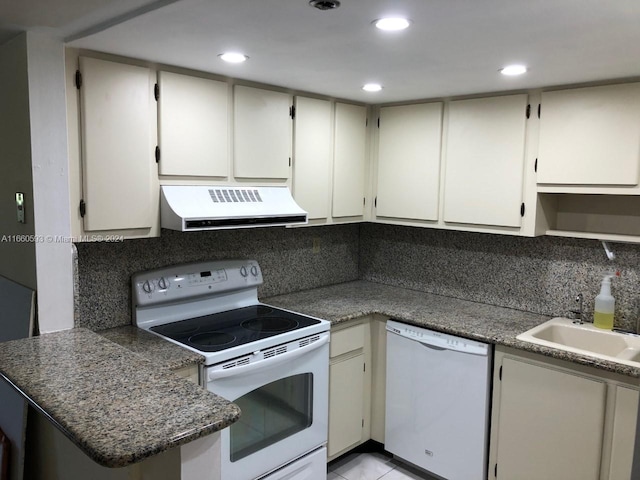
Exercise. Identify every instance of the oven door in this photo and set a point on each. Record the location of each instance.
(284, 402)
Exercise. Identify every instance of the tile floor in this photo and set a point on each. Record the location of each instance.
(372, 466)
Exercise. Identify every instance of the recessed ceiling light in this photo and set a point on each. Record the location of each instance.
(233, 57)
(325, 4)
(392, 24)
(372, 87)
(513, 70)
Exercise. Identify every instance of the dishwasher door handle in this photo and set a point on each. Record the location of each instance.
(432, 347)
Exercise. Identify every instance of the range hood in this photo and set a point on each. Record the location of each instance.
(198, 207)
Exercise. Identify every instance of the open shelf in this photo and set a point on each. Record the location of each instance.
(604, 217)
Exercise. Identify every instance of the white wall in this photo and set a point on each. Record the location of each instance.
(47, 110)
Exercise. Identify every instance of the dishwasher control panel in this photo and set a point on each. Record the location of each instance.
(439, 340)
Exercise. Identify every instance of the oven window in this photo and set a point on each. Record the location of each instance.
(270, 413)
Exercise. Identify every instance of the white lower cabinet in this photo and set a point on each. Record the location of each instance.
(346, 389)
(545, 414)
(347, 370)
(624, 433)
(554, 420)
(356, 384)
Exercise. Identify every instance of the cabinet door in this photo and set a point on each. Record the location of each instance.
(346, 390)
(550, 424)
(312, 156)
(409, 161)
(116, 112)
(624, 433)
(590, 136)
(349, 161)
(484, 163)
(262, 133)
(192, 126)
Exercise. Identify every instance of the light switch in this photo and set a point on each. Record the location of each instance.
(20, 207)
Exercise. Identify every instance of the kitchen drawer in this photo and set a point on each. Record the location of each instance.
(347, 340)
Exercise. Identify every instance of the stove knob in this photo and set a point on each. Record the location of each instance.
(147, 286)
(254, 271)
(162, 283)
(243, 271)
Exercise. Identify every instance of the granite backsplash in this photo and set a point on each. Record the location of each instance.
(540, 275)
(285, 255)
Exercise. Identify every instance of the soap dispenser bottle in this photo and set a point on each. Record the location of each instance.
(605, 305)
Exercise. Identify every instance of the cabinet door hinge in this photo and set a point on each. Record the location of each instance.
(78, 80)
(539, 108)
(528, 112)
(535, 166)
(500, 373)
(83, 208)
(292, 111)
(522, 210)
(156, 92)
(157, 154)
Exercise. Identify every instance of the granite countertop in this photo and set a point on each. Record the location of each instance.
(477, 321)
(104, 390)
(152, 347)
(116, 406)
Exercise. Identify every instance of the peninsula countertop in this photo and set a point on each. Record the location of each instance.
(152, 347)
(115, 405)
(477, 321)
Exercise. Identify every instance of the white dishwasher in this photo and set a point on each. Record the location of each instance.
(437, 401)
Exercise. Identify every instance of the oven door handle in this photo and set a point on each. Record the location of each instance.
(283, 357)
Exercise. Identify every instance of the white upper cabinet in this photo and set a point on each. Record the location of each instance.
(484, 161)
(193, 126)
(409, 161)
(349, 164)
(117, 153)
(590, 136)
(312, 155)
(262, 133)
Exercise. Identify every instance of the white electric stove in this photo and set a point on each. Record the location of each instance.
(272, 362)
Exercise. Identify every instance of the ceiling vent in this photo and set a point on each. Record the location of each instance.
(325, 4)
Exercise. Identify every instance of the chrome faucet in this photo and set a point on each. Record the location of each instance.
(577, 314)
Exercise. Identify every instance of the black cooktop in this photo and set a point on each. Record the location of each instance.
(219, 331)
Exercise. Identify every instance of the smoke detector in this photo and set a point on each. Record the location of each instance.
(325, 4)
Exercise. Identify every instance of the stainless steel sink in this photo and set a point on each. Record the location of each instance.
(585, 339)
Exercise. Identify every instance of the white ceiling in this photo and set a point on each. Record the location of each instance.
(64, 18)
(454, 47)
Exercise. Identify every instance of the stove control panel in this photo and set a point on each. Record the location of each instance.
(183, 282)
